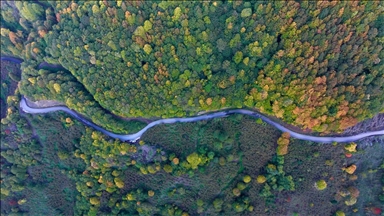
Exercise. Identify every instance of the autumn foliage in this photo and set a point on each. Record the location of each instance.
(282, 144)
(317, 65)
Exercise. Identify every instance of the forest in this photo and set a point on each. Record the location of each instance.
(53, 165)
(314, 65)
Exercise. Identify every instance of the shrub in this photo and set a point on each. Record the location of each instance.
(217, 204)
(354, 192)
(151, 169)
(241, 186)
(282, 150)
(247, 179)
(261, 179)
(351, 147)
(151, 193)
(175, 161)
(130, 197)
(321, 185)
(94, 201)
(351, 201)
(351, 169)
(282, 143)
(194, 160)
(222, 161)
(340, 213)
(119, 183)
(236, 192)
(168, 168)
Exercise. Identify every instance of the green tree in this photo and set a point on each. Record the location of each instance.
(194, 160)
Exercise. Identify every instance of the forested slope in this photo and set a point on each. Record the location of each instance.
(315, 65)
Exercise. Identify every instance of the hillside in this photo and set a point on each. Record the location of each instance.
(314, 65)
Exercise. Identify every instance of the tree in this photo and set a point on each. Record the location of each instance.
(194, 160)
(217, 204)
(30, 11)
(238, 57)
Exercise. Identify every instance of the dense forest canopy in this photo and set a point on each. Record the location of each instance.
(317, 65)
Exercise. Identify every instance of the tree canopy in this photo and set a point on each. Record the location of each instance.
(315, 65)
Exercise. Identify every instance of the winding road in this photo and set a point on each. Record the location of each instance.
(136, 136)
(133, 137)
